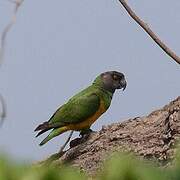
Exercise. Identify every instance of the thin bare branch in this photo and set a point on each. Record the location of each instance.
(3, 112)
(8, 27)
(2, 49)
(150, 32)
(68, 139)
(56, 156)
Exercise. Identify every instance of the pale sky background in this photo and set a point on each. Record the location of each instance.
(57, 48)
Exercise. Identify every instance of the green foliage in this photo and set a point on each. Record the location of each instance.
(14, 171)
(119, 167)
(126, 167)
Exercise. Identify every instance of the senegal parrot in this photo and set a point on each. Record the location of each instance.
(83, 109)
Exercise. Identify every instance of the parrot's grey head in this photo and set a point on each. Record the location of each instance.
(112, 80)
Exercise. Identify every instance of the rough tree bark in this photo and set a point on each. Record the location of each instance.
(151, 137)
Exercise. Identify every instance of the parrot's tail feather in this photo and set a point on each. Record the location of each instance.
(54, 133)
(42, 131)
(42, 126)
(45, 140)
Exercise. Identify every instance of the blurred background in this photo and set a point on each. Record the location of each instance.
(57, 48)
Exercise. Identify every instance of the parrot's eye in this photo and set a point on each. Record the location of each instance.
(115, 77)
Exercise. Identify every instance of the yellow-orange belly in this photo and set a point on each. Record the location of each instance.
(89, 121)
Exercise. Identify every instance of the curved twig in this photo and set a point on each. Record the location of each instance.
(56, 156)
(2, 49)
(8, 27)
(64, 145)
(3, 113)
(150, 32)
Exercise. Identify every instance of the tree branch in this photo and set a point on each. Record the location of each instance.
(3, 113)
(58, 155)
(64, 145)
(151, 137)
(8, 27)
(2, 49)
(150, 32)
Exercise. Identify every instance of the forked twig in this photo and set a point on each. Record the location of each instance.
(150, 32)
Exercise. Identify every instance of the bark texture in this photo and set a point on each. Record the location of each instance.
(151, 137)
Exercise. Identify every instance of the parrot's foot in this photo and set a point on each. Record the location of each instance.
(84, 135)
(85, 132)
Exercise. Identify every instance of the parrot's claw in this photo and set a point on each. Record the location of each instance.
(85, 133)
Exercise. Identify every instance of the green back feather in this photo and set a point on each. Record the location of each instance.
(82, 105)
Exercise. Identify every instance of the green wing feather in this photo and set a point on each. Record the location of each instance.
(76, 110)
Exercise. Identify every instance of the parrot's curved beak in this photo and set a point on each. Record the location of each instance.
(123, 83)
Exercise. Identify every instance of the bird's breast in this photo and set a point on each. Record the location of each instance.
(89, 121)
